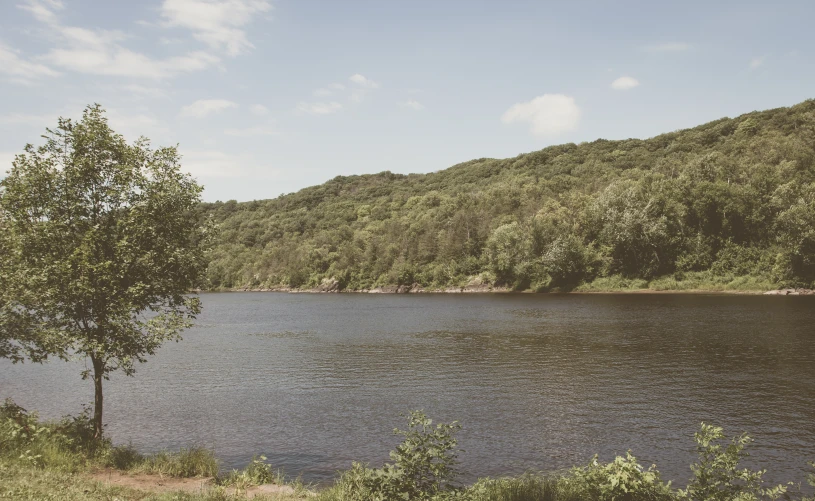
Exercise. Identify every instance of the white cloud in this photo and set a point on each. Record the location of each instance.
(204, 107)
(320, 108)
(217, 23)
(412, 104)
(336, 86)
(756, 62)
(363, 82)
(43, 11)
(98, 52)
(118, 61)
(259, 110)
(252, 131)
(624, 83)
(20, 70)
(668, 47)
(548, 115)
(363, 87)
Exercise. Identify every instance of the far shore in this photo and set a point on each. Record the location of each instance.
(503, 290)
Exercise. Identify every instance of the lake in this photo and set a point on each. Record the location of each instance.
(539, 382)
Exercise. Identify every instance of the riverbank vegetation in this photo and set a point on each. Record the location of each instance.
(62, 460)
(728, 205)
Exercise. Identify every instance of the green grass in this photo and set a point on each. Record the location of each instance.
(22, 482)
(187, 463)
(53, 461)
(528, 487)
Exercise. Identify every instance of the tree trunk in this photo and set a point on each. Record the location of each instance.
(98, 372)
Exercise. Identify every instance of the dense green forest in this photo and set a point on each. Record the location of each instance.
(726, 205)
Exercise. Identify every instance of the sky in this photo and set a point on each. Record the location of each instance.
(266, 97)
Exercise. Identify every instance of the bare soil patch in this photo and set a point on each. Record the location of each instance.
(152, 483)
(160, 484)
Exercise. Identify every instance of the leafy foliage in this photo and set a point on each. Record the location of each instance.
(732, 200)
(717, 475)
(620, 479)
(100, 250)
(257, 472)
(423, 467)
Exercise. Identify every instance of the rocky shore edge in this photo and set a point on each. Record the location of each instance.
(333, 286)
(791, 292)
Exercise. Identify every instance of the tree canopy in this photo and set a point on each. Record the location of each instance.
(100, 248)
(730, 202)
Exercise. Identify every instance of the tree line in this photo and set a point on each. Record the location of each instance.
(730, 202)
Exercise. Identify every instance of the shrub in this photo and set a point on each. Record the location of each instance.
(622, 479)
(717, 476)
(257, 472)
(423, 467)
(62, 446)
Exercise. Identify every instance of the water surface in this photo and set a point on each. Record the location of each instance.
(539, 382)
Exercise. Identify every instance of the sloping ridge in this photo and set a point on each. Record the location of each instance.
(725, 205)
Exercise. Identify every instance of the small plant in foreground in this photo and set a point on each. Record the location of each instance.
(622, 479)
(423, 468)
(257, 472)
(717, 475)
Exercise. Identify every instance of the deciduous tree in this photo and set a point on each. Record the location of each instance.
(100, 250)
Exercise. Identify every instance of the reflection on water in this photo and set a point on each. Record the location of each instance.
(540, 382)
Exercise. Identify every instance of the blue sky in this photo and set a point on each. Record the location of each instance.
(269, 96)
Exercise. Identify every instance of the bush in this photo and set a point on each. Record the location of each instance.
(621, 479)
(717, 476)
(257, 472)
(24, 438)
(423, 468)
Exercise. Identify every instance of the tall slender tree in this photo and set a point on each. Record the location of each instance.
(100, 250)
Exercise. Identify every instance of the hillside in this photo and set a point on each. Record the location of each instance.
(726, 205)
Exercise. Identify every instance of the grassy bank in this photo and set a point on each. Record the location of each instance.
(61, 461)
(58, 460)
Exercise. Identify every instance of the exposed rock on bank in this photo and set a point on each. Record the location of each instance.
(418, 289)
(791, 292)
(333, 286)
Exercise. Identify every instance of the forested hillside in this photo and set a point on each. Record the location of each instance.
(727, 205)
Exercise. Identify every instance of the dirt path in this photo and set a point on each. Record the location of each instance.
(161, 484)
(152, 483)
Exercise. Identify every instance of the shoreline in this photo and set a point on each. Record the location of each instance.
(504, 290)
